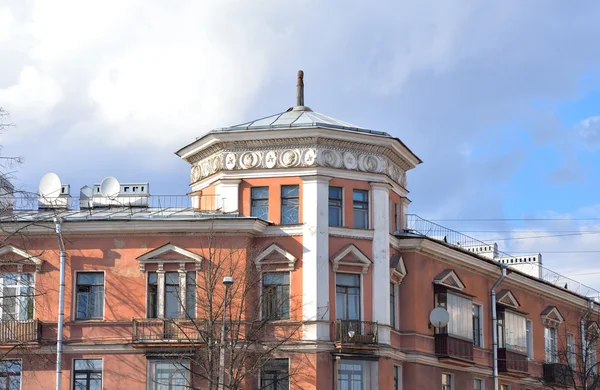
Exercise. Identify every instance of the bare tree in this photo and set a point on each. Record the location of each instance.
(572, 359)
(261, 321)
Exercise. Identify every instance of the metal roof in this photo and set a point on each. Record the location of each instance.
(298, 117)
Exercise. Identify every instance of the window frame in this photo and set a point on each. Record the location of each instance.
(447, 386)
(288, 198)
(261, 373)
(369, 371)
(482, 381)
(252, 199)
(550, 356)
(18, 286)
(8, 376)
(529, 334)
(441, 299)
(262, 296)
(186, 314)
(341, 206)
(366, 209)
(397, 370)
(393, 305)
(360, 296)
(481, 343)
(571, 351)
(75, 298)
(74, 371)
(151, 381)
(503, 329)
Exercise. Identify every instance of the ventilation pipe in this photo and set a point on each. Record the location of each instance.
(495, 325)
(61, 303)
(582, 326)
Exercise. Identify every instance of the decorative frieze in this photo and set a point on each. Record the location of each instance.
(300, 157)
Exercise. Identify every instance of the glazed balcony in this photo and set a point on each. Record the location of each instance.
(512, 362)
(454, 348)
(355, 332)
(166, 330)
(20, 332)
(557, 373)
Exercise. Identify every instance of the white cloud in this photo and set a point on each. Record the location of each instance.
(589, 129)
(6, 21)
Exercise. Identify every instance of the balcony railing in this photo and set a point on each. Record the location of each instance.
(557, 373)
(166, 330)
(20, 332)
(355, 332)
(512, 362)
(447, 346)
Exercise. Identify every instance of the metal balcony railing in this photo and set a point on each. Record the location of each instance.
(355, 332)
(166, 330)
(20, 332)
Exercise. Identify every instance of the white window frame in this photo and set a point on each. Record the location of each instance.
(529, 334)
(553, 354)
(150, 361)
(18, 287)
(160, 298)
(278, 271)
(72, 384)
(480, 380)
(481, 329)
(451, 385)
(398, 370)
(74, 296)
(504, 387)
(369, 209)
(361, 295)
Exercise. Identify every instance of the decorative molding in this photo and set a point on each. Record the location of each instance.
(450, 279)
(506, 298)
(26, 258)
(551, 317)
(357, 234)
(397, 267)
(155, 257)
(359, 258)
(266, 258)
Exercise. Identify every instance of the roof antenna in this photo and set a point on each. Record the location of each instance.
(300, 89)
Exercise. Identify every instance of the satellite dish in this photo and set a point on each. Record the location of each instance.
(110, 187)
(439, 317)
(50, 186)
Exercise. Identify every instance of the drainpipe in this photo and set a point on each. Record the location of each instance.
(582, 326)
(61, 303)
(495, 325)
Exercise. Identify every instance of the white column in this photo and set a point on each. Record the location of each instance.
(315, 258)
(160, 291)
(227, 191)
(405, 202)
(182, 291)
(381, 259)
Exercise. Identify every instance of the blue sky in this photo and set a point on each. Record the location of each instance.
(499, 99)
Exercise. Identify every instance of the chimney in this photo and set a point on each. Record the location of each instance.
(300, 89)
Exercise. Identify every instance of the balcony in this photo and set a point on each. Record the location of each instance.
(166, 331)
(557, 373)
(350, 332)
(20, 332)
(512, 362)
(448, 347)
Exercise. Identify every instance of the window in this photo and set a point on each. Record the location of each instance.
(360, 204)
(529, 331)
(591, 359)
(504, 387)
(396, 217)
(335, 206)
(397, 378)
(275, 375)
(461, 313)
(478, 384)
(173, 298)
(276, 295)
(289, 204)
(347, 297)
(357, 374)
(10, 374)
(393, 300)
(571, 350)
(168, 375)
(477, 326)
(446, 382)
(512, 331)
(259, 202)
(90, 295)
(550, 345)
(87, 374)
(16, 297)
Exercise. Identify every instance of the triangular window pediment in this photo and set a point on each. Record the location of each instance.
(169, 253)
(506, 298)
(275, 256)
(352, 256)
(11, 255)
(593, 331)
(449, 278)
(397, 267)
(551, 316)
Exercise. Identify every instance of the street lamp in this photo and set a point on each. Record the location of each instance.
(227, 281)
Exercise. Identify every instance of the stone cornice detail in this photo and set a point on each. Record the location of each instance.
(352, 156)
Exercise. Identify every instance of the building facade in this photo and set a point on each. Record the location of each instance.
(317, 210)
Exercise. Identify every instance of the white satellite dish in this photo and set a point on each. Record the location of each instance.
(50, 186)
(439, 317)
(110, 187)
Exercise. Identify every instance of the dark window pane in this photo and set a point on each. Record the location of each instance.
(289, 205)
(259, 202)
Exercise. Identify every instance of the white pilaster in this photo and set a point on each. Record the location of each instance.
(182, 291)
(381, 259)
(227, 191)
(160, 291)
(315, 257)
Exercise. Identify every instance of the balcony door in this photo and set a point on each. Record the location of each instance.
(347, 297)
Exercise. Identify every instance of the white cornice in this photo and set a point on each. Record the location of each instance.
(359, 234)
(283, 231)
